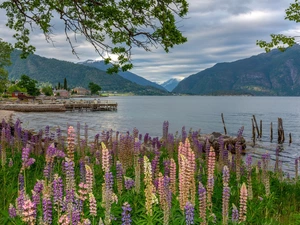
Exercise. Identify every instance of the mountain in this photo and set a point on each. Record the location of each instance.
(273, 73)
(169, 85)
(99, 64)
(54, 71)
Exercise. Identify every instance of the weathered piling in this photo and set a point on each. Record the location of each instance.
(280, 131)
(290, 138)
(225, 130)
(260, 129)
(271, 132)
(253, 132)
(256, 126)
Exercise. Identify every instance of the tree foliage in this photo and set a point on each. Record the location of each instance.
(5, 51)
(111, 27)
(29, 84)
(280, 41)
(94, 88)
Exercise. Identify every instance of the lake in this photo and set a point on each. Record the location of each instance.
(147, 113)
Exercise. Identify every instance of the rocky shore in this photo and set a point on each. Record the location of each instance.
(33, 107)
(6, 115)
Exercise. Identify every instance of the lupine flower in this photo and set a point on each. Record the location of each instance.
(189, 213)
(57, 188)
(129, 183)
(119, 177)
(149, 185)
(93, 205)
(126, 220)
(243, 203)
(235, 214)
(265, 175)
(173, 176)
(105, 158)
(202, 203)
(29, 212)
(64, 220)
(12, 211)
(226, 195)
(210, 175)
(89, 178)
(83, 192)
(26, 161)
(47, 209)
(71, 143)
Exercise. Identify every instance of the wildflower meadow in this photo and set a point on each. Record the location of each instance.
(129, 178)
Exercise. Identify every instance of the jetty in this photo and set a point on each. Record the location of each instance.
(60, 106)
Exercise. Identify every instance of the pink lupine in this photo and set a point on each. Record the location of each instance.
(243, 203)
(71, 143)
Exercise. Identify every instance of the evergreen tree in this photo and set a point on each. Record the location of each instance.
(65, 84)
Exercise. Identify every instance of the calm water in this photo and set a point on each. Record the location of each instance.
(147, 113)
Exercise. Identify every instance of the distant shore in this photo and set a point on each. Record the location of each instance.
(6, 115)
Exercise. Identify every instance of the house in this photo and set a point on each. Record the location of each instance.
(16, 93)
(81, 91)
(62, 93)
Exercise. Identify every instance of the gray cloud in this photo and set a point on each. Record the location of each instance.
(217, 31)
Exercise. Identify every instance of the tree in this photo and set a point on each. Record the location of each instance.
(94, 88)
(280, 41)
(5, 51)
(111, 27)
(65, 84)
(29, 84)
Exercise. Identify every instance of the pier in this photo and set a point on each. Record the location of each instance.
(60, 106)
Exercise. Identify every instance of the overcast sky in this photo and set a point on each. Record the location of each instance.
(217, 31)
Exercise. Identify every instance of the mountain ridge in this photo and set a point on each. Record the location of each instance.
(52, 70)
(100, 64)
(275, 73)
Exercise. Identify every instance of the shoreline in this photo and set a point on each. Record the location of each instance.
(6, 115)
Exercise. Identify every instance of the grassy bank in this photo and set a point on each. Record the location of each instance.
(135, 179)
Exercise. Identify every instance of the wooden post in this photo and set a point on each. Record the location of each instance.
(256, 125)
(290, 141)
(225, 131)
(280, 132)
(253, 132)
(271, 135)
(260, 129)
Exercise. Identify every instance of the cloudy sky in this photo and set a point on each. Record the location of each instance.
(217, 31)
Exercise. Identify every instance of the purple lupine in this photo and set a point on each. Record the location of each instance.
(20, 201)
(21, 182)
(146, 138)
(167, 164)
(37, 189)
(82, 171)
(12, 211)
(75, 217)
(189, 213)
(235, 214)
(27, 162)
(109, 180)
(119, 176)
(47, 209)
(167, 190)
(140, 137)
(129, 183)
(126, 219)
(183, 134)
(8, 134)
(57, 188)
